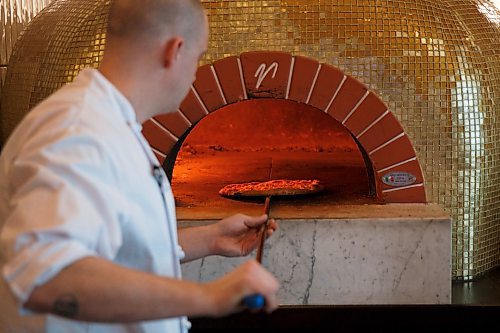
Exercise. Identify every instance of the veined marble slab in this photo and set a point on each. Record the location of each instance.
(393, 260)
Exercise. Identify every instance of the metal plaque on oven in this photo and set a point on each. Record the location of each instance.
(399, 179)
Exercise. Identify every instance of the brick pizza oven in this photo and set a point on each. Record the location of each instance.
(258, 111)
(263, 81)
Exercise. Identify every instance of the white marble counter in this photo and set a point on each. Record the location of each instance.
(392, 260)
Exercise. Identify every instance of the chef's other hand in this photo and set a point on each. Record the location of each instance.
(226, 294)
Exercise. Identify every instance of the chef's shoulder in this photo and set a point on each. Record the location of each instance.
(77, 107)
(66, 118)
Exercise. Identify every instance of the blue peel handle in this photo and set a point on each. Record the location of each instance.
(254, 302)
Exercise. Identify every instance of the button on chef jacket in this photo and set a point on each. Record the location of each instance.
(77, 180)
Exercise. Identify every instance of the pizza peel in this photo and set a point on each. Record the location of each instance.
(256, 302)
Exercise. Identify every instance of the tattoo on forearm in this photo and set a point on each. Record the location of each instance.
(66, 306)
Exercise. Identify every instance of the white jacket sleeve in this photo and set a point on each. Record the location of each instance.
(65, 205)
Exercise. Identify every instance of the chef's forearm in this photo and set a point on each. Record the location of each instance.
(97, 290)
(196, 242)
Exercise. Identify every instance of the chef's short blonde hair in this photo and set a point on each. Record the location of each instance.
(147, 19)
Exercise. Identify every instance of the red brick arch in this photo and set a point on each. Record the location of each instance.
(283, 76)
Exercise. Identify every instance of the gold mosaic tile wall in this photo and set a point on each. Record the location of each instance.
(55, 46)
(14, 15)
(436, 64)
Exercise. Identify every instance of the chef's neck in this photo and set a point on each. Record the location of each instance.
(134, 78)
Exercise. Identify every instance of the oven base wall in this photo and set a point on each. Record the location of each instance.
(403, 260)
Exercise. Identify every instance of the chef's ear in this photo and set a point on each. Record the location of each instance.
(171, 51)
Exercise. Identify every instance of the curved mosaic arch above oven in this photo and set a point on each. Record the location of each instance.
(282, 76)
(435, 64)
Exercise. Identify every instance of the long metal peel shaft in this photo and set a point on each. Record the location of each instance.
(256, 302)
(263, 230)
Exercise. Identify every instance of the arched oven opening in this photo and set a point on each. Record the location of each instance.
(242, 142)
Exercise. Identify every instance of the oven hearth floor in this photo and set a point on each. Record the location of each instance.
(198, 179)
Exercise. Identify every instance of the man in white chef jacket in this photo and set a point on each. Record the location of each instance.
(89, 237)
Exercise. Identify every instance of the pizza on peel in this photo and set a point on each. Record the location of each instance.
(279, 187)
